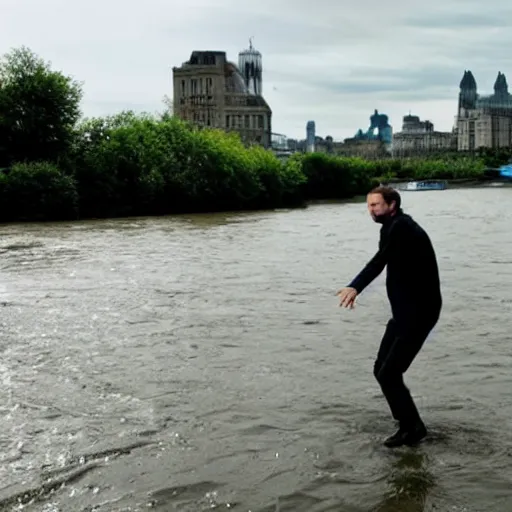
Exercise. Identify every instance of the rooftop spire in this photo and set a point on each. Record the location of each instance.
(468, 81)
(464, 80)
(501, 86)
(471, 82)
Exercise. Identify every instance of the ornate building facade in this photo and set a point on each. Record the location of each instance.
(211, 91)
(484, 121)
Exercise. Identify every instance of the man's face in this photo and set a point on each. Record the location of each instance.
(378, 208)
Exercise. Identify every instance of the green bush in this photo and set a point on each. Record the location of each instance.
(329, 177)
(439, 168)
(138, 165)
(142, 165)
(37, 191)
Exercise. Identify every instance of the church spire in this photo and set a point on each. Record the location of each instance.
(500, 86)
(468, 94)
(468, 81)
(471, 81)
(464, 80)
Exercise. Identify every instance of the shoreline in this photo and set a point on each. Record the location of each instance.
(452, 184)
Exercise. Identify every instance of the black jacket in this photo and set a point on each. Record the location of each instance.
(412, 282)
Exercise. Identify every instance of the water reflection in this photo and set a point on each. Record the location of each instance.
(410, 483)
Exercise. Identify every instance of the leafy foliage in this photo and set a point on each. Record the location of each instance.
(37, 191)
(38, 109)
(56, 166)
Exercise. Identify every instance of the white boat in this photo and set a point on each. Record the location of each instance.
(425, 185)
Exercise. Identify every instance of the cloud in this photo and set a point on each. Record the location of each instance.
(331, 62)
(460, 21)
(439, 82)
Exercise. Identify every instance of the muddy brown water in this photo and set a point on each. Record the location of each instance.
(201, 362)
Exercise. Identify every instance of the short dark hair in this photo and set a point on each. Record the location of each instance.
(389, 194)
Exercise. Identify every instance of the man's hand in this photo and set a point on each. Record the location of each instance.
(347, 297)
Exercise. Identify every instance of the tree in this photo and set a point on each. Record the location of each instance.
(169, 105)
(38, 109)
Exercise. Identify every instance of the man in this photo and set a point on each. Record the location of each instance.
(414, 293)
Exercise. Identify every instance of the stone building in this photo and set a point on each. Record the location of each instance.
(418, 137)
(364, 148)
(213, 92)
(484, 121)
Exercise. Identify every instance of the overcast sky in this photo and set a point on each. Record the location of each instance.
(330, 61)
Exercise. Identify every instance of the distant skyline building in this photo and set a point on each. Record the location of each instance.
(484, 121)
(209, 90)
(419, 137)
(310, 136)
(380, 123)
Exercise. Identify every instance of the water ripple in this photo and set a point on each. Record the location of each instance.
(197, 362)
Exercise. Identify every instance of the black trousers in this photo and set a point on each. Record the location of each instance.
(398, 348)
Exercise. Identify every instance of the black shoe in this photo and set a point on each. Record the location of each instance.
(407, 437)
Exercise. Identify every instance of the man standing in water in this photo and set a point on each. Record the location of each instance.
(413, 290)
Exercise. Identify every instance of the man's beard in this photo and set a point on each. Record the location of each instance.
(380, 219)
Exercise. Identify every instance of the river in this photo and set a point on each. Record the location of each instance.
(202, 362)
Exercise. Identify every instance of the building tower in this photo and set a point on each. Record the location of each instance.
(468, 92)
(468, 96)
(501, 86)
(310, 137)
(250, 65)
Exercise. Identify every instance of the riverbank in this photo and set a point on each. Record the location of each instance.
(306, 194)
(137, 166)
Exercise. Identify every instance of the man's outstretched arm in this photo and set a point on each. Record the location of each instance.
(372, 269)
(370, 272)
